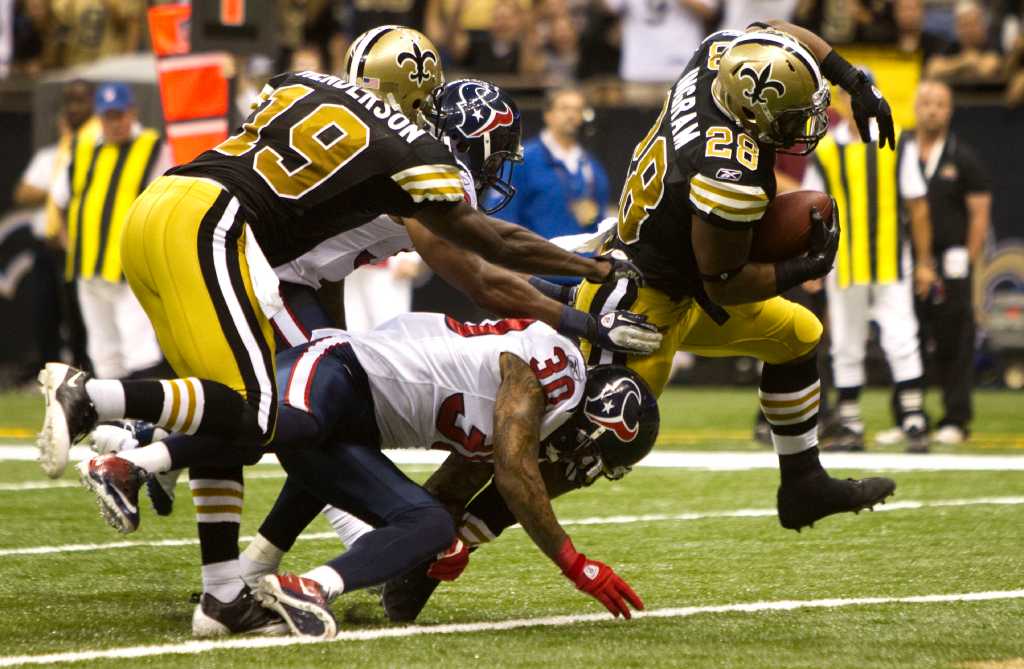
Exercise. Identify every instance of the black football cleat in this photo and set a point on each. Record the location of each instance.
(242, 615)
(70, 415)
(918, 440)
(405, 596)
(116, 483)
(160, 490)
(803, 502)
(845, 439)
(301, 603)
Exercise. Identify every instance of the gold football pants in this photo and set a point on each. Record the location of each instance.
(184, 256)
(776, 331)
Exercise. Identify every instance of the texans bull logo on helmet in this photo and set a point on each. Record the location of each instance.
(482, 109)
(617, 408)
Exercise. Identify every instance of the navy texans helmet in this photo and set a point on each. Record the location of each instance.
(614, 427)
(481, 124)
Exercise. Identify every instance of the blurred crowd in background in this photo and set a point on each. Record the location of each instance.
(553, 42)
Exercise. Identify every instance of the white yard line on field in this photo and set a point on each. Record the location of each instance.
(903, 505)
(706, 460)
(195, 647)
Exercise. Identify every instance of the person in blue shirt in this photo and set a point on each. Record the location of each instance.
(561, 188)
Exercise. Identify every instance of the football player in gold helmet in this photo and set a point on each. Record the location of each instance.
(698, 184)
(400, 64)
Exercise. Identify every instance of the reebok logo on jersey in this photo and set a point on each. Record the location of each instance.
(728, 175)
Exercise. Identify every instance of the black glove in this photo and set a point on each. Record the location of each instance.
(622, 268)
(615, 331)
(820, 256)
(866, 101)
(556, 291)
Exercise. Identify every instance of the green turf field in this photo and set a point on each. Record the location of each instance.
(948, 533)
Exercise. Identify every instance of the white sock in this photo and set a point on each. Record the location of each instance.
(328, 579)
(108, 398)
(154, 459)
(259, 558)
(222, 580)
(346, 526)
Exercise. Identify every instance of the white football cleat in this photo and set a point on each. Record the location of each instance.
(70, 415)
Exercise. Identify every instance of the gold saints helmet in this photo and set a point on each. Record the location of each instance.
(771, 85)
(400, 64)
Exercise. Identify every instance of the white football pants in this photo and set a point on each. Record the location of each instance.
(850, 309)
(120, 337)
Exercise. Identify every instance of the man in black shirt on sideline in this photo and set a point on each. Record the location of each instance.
(960, 199)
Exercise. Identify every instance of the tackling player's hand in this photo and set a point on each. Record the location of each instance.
(620, 267)
(866, 102)
(625, 332)
(451, 563)
(598, 580)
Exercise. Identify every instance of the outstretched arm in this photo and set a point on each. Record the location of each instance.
(509, 294)
(518, 411)
(516, 248)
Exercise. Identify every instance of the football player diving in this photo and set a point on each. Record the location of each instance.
(500, 395)
(216, 470)
(698, 183)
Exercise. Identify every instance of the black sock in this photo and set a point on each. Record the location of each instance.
(217, 494)
(485, 517)
(796, 466)
(790, 395)
(177, 406)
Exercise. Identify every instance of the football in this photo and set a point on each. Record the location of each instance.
(785, 230)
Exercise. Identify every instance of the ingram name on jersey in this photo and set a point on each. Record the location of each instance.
(319, 156)
(694, 160)
(434, 380)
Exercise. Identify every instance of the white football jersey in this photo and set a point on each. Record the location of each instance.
(434, 379)
(335, 258)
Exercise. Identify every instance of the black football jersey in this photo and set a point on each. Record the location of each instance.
(694, 160)
(319, 156)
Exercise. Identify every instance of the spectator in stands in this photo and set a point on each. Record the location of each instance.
(92, 29)
(600, 43)
(738, 14)
(562, 52)
(975, 57)
(312, 22)
(960, 199)
(561, 189)
(659, 37)
(510, 46)
(111, 167)
(1015, 75)
(911, 37)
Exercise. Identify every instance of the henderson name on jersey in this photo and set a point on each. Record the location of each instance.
(320, 156)
(434, 379)
(694, 160)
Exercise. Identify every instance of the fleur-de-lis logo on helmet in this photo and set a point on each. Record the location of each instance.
(419, 59)
(762, 82)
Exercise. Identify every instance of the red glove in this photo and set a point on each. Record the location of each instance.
(597, 580)
(451, 563)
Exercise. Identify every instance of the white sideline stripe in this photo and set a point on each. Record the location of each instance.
(906, 505)
(195, 647)
(711, 461)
